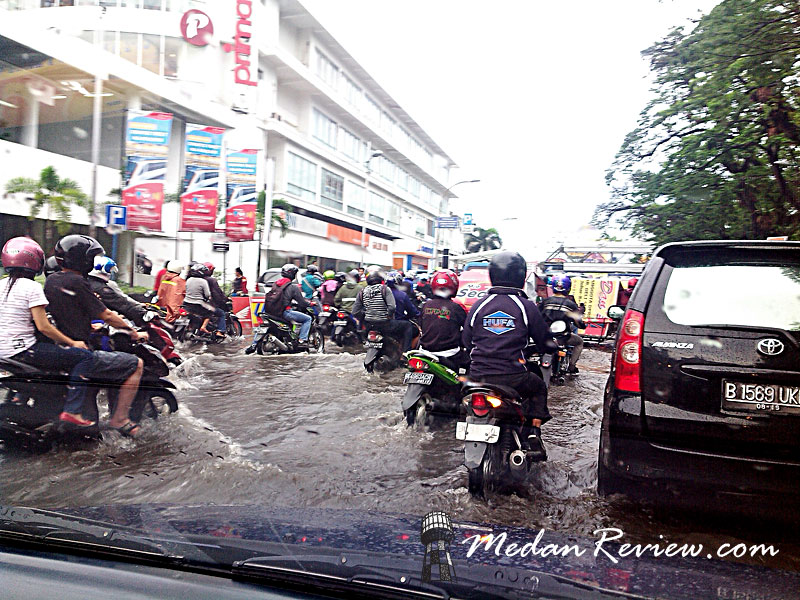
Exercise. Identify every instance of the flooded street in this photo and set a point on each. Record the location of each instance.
(318, 431)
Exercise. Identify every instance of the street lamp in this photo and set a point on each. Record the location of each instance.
(436, 240)
(368, 168)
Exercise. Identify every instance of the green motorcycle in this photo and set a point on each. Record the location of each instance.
(434, 390)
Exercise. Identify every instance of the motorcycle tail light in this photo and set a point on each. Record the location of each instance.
(326, 307)
(183, 312)
(341, 315)
(495, 402)
(374, 336)
(415, 364)
(479, 405)
(561, 353)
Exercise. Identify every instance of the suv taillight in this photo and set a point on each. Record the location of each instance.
(629, 353)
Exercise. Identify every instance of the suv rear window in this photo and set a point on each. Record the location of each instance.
(760, 295)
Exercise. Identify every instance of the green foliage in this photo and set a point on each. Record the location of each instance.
(482, 240)
(715, 153)
(277, 204)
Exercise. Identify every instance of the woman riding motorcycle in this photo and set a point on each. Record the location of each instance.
(331, 285)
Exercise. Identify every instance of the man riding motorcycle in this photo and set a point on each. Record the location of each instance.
(625, 295)
(73, 306)
(172, 290)
(346, 295)
(310, 282)
(375, 305)
(442, 321)
(109, 293)
(405, 309)
(496, 335)
(198, 299)
(291, 291)
(218, 298)
(560, 307)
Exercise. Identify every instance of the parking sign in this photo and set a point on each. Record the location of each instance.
(116, 215)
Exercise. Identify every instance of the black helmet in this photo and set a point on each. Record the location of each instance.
(77, 252)
(51, 266)
(374, 278)
(355, 275)
(508, 269)
(198, 270)
(289, 271)
(340, 276)
(312, 269)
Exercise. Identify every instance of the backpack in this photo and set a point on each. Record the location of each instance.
(273, 300)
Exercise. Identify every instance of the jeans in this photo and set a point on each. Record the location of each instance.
(77, 361)
(221, 324)
(302, 318)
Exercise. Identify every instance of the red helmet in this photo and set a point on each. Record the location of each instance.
(210, 267)
(445, 283)
(632, 282)
(23, 253)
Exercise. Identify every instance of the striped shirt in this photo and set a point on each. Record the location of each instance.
(16, 321)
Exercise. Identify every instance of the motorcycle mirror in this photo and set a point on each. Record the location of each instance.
(558, 327)
(615, 312)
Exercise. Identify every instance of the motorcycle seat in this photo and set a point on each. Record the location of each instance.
(23, 369)
(472, 387)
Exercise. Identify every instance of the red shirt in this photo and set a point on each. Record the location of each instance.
(159, 277)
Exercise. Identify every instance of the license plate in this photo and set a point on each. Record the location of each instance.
(423, 378)
(260, 330)
(477, 432)
(342, 323)
(760, 397)
(373, 344)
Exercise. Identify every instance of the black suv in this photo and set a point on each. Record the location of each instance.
(704, 392)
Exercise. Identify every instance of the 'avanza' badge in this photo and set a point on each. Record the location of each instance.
(498, 322)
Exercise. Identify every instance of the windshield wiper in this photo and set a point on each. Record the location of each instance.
(361, 575)
(49, 529)
(756, 328)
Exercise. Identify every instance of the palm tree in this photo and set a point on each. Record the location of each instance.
(277, 220)
(482, 240)
(57, 194)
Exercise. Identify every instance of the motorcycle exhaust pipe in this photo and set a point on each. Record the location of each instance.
(279, 344)
(516, 460)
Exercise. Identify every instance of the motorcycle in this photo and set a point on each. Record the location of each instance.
(433, 389)
(34, 424)
(325, 319)
(345, 330)
(159, 332)
(273, 335)
(384, 351)
(560, 359)
(187, 326)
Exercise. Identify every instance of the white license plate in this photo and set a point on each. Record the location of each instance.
(477, 432)
(423, 378)
(343, 323)
(373, 344)
(758, 397)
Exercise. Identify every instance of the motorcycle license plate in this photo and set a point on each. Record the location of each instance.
(342, 323)
(373, 344)
(477, 432)
(423, 378)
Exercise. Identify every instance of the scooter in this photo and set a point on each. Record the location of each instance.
(325, 318)
(273, 335)
(383, 351)
(187, 326)
(434, 389)
(346, 330)
(561, 357)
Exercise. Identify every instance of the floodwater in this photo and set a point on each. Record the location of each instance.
(318, 431)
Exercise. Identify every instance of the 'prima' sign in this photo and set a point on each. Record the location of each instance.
(241, 43)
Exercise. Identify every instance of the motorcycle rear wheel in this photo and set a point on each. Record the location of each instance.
(234, 327)
(418, 414)
(483, 478)
(162, 402)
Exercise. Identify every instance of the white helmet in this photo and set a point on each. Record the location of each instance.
(175, 266)
(103, 267)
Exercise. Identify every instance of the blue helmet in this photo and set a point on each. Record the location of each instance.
(562, 284)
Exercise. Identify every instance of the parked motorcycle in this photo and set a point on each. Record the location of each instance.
(434, 389)
(346, 330)
(273, 335)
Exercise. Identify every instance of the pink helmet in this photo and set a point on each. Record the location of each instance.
(23, 253)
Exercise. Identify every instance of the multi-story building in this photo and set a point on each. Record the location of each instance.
(364, 180)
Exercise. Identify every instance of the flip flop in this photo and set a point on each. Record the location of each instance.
(72, 420)
(127, 429)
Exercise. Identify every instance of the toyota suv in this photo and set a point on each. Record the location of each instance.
(704, 391)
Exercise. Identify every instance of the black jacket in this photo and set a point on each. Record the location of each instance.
(116, 300)
(556, 308)
(497, 331)
(218, 297)
(442, 320)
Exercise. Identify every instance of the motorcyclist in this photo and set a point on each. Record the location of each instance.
(625, 294)
(292, 292)
(172, 290)
(560, 307)
(376, 304)
(346, 295)
(329, 287)
(198, 298)
(442, 321)
(496, 335)
(311, 281)
(423, 287)
(405, 309)
(160, 276)
(109, 293)
(218, 297)
(73, 306)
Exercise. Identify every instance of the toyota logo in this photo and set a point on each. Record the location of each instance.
(770, 346)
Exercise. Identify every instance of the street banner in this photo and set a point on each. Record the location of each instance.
(240, 217)
(200, 184)
(146, 146)
(597, 295)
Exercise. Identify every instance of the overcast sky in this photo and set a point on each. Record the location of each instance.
(532, 97)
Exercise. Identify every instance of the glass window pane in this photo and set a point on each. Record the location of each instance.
(376, 208)
(354, 197)
(128, 46)
(110, 41)
(171, 48)
(301, 177)
(151, 52)
(152, 4)
(331, 190)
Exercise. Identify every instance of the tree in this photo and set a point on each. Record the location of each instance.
(715, 152)
(56, 194)
(482, 240)
(277, 220)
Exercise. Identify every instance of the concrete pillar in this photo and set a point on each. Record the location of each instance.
(30, 130)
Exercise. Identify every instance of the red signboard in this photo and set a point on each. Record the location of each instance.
(196, 27)
(240, 222)
(199, 210)
(144, 202)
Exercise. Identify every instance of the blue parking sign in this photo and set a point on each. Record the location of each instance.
(116, 215)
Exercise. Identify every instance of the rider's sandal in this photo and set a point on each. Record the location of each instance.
(65, 417)
(128, 429)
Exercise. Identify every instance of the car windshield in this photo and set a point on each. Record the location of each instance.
(722, 294)
(449, 178)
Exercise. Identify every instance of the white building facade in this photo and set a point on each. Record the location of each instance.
(364, 180)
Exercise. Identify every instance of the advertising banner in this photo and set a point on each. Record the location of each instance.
(240, 218)
(200, 185)
(597, 295)
(146, 146)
